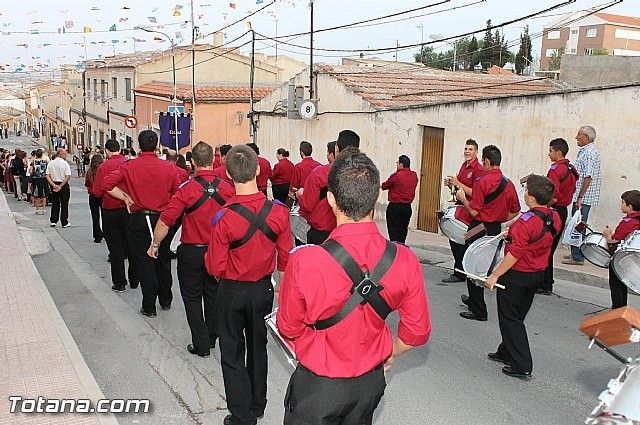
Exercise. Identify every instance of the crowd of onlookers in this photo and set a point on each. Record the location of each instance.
(23, 175)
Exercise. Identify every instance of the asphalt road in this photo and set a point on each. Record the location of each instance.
(449, 380)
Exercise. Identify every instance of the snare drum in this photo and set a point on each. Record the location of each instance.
(299, 225)
(619, 402)
(626, 261)
(454, 223)
(596, 250)
(285, 345)
(481, 254)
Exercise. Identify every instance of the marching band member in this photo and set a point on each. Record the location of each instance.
(313, 199)
(221, 170)
(149, 182)
(265, 169)
(303, 168)
(494, 201)
(199, 199)
(247, 233)
(564, 176)
(402, 191)
(469, 171)
(342, 350)
(630, 205)
(281, 176)
(522, 272)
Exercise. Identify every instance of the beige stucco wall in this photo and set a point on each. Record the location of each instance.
(520, 126)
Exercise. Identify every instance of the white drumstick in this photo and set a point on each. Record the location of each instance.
(149, 226)
(478, 278)
(485, 243)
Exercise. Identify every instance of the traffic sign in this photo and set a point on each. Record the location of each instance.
(80, 122)
(172, 109)
(80, 128)
(308, 109)
(42, 120)
(131, 122)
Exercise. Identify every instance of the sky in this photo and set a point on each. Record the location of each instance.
(39, 35)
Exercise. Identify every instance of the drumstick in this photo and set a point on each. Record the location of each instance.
(149, 226)
(481, 279)
(485, 243)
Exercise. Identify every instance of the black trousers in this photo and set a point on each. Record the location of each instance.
(241, 310)
(398, 216)
(280, 192)
(618, 291)
(154, 274)
(458, 254)
(94, 206)
(476, 293)
(115, 227)
(317, 400)
(514, 303)
(198, 287)
(316, 237)
(60, 205)
(547, 284)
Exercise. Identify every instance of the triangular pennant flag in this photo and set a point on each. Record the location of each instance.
(139, 40)
(158, 38)
(125, 8)
(233, 5)
(153, 19)
(115, 41)
(68, 24)
(178, 35)
(178, 7)
(112, 28)
(123, 20)
(95, 8)
(259, 1)
(87, 29)
(176, 13)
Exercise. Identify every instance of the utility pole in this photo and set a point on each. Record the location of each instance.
(194, 29)
(311, 54)
(252, 129)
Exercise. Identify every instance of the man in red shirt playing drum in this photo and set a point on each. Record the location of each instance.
(265, 169)
(303, 168)
(342, 344)
(521, 272)
(402, 190)
(247, 233)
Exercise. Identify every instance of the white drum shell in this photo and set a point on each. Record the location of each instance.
(451, 227)
(596, 250)
(299, 225)
(270, 322)
(620, 402)
(478, 257)
(626, 265)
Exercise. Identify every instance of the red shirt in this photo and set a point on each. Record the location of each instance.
(302, 170)
(256, 258)
(282, 172)
(89, 184)
(315, 287)
(401, 186)
(265, 173)
(149, 180)
(221, 172)
(216, 161)
(183, 174)
(564, 190)
(196, 226)
(531, 257)
(317, 211)
(498, 210)
(628, 224)
(469, 173)
(106, 168)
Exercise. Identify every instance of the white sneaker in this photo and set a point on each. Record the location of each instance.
(52, 224)
(66, 225)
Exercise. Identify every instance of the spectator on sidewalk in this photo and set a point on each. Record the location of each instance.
(58, 174)
(18, 170)
(95, 202)
(40, 188)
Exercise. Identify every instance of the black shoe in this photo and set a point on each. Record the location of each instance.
(452, 279)
(192, 350)
(97, 241)
(496, 358)
(469, 315)
(134, 284)
(544, 291)
(520, 375)
(165, 307)
(227, 420)
(212, 344)
(465, 300)
(118, 288)
(144, 313)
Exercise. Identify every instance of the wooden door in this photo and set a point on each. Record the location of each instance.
(430, 178)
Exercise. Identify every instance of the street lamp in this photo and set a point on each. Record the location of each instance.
(175, 88)
(440, 37)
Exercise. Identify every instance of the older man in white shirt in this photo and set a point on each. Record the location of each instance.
(58, 174)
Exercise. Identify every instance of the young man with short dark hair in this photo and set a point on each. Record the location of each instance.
(303, 168)
(402, 191)
(221, 171)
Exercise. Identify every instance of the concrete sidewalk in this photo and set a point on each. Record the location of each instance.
(38, 356)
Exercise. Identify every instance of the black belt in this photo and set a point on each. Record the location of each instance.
(195, 245)
(375, 369)
(267, 277)
(146, 212)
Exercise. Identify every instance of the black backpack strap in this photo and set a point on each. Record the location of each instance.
(494, 195)
(210, 190)
(323, 192)
(366, 287)
(570, 170)
(257, 222)
(548, 225)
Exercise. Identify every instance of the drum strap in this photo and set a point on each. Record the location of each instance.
(548, 225)
(494, 195)
(570, 170)
(366, 287)
(209, 190)
(496, 254)
(323, 192)
(257, 222)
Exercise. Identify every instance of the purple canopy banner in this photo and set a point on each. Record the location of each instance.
(167, 130)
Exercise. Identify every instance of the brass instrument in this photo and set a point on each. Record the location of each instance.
(452, 195)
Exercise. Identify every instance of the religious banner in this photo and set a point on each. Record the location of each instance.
(167, 130)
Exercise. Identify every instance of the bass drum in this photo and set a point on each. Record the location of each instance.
(626, 262)
(481, 255)
(620, 402)
(454, 223)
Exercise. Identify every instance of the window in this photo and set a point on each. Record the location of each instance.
(553, 35)
(573, 51)
(101, 138)
(574, 32)
(592, 32)
(102, 90)
(551, 53)
(127, 89)
(88, 89)
(95, 89)
(114, 87)
(589, 51)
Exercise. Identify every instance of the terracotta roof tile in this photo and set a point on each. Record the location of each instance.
(208, 92)
(402, 88)
(619, 19)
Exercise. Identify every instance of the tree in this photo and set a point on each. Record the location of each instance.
(600, 52)
(555, 60)
(485, 54)
(523, 57)
(430, 58)
(471, 54)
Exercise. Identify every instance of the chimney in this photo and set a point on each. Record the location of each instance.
(218, 39)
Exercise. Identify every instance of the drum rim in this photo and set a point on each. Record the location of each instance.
(624, 280)
(478, 241)
(596, 247)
